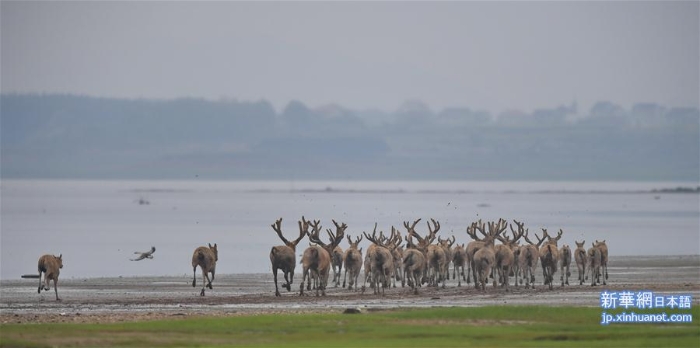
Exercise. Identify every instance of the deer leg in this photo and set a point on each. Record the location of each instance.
(41, 285)
(287, 276)
(274, 275)
(194, 276)
(55, 287)
(213, 274)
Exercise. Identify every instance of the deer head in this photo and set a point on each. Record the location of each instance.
(353, 245)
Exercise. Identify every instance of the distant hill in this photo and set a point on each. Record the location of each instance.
(68, 136)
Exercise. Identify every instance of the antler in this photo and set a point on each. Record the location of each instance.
(313, 236)
(338, 236)
(471, 231)
(434, 230)
(539, 241)
(558, 237)
(412, 227)
(479, 226)
(373, 238)
(277, 226)
(357, 240)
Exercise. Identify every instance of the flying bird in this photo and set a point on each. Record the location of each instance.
(144, 255)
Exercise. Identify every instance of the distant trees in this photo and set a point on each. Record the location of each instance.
(80, 136)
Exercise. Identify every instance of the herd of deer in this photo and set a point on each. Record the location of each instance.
(424, 261)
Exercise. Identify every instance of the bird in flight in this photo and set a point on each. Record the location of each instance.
(144, 255)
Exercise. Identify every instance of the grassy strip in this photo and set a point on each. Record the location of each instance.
(525, 326)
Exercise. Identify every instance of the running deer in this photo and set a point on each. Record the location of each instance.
(476, 244)
(459, 258)
(206, 259)
(353, 262)
(565, 256)
(317, 258)
(580, 257)
(603, 258)
(381, 262)
(485, 257)
(594, 262)
(283, 257)
(529, 257)
(50, 266)
(414, 264)
(549, 257)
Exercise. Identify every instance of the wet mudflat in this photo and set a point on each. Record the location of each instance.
(145, 298)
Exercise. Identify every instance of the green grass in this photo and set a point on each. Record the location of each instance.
(525, 326)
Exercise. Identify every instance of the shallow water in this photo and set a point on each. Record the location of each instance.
(97, 225)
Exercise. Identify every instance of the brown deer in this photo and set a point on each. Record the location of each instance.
(515, 268)
(434, 254)
(528, 259)
(50, 266)
(414, 264)
(283, 257)
(580, 257)
(446, 245)
(603, 258)
(337, 264)
(485, 257)
(549, 257)
(459, 258)
(381, 261)
(565, 256)
(595, 258)
(206, 259)
(397, 253)
(476, 244)
(353, 262)
(317, 258)
(505, 258)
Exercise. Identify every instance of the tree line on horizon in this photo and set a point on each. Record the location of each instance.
(69, 136)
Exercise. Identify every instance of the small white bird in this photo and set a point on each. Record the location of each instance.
(144, 255)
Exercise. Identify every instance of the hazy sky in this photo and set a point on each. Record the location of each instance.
(490, 55)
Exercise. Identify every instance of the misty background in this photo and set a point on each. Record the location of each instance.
(350, 91)
(63, 136)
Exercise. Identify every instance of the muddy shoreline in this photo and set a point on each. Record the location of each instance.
(147, 298)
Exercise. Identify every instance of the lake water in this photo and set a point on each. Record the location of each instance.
(97, 225)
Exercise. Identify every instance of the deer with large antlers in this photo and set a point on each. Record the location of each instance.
(529, 257)
(485, 258)
(473, 246)
(434, 254)
(549, 257)
(381, 262)
(353, 262)
(505, 258)
(317, 258)
(414, 263)
(397, 253)
(283, 257)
